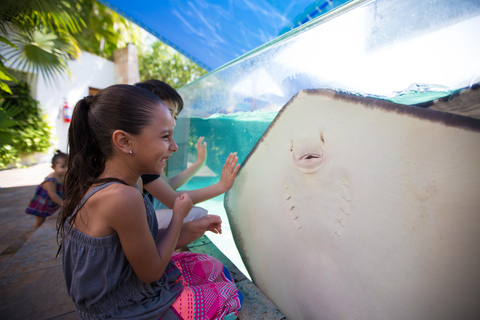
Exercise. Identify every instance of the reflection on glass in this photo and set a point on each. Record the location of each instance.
(406, 51)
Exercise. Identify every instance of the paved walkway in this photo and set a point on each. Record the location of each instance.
(31, 279)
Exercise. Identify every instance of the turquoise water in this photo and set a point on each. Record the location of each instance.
(236, 132)
(420, 93)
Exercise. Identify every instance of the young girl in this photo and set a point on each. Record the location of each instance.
(114, 264)
(48, 195)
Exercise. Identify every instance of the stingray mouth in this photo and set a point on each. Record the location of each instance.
(308, 161)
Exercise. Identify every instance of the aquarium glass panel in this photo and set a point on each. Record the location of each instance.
(407, 51)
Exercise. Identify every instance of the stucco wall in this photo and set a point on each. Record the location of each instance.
(87, 71)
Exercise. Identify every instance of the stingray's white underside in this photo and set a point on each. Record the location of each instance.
(354, 208)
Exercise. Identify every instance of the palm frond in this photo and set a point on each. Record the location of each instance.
(52, 14)
(5, 76)
(6, 122)
(7, 42)
(40, 53)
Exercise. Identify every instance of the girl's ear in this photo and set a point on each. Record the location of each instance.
(121, 140)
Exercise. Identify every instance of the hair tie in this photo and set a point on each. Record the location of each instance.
(88, 100)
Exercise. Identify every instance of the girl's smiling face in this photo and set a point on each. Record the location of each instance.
(155, 144)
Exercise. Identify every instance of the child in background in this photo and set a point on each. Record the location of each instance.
(48, 195)
(115, 264)
(163, 188)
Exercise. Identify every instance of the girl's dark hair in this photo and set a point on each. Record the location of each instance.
(163, 91)
(58, 155)
(94, 119)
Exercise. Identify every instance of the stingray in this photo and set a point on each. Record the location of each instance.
(357, 208)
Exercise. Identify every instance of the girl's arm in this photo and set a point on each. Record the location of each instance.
(127, 217)
(184, 176)
(52, 192)
(193, 230)
(181, 208)
(162, 191)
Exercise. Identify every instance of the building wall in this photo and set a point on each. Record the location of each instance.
(88, 71)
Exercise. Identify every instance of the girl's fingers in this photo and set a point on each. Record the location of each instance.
(230, 163)
(232, 158)
(201, 145)
(234, 161)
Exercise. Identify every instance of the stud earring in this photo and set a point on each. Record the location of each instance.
(131, 152)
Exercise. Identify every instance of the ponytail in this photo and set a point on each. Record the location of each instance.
(85, 161)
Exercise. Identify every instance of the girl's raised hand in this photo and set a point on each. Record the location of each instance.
(201, 151)
(229, 171)
(182, 206)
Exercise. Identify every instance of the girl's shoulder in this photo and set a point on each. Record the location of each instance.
(51, 175)
(120, 206)
(51, 178)
(107, 207)
(116, 197)
(117, 190)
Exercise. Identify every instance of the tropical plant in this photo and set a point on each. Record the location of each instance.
(6, 123)
(24, 128)
(4, 74)
(168, 65)
(40, 52)
(36, 36)
(39, 36)
(105, 30)
(56, 15)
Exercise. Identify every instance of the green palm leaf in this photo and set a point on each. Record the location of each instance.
(40, 53)
(7, 42)
(29, 14)
(6, 122)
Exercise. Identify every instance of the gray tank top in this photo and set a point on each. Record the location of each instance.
(101, 282)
